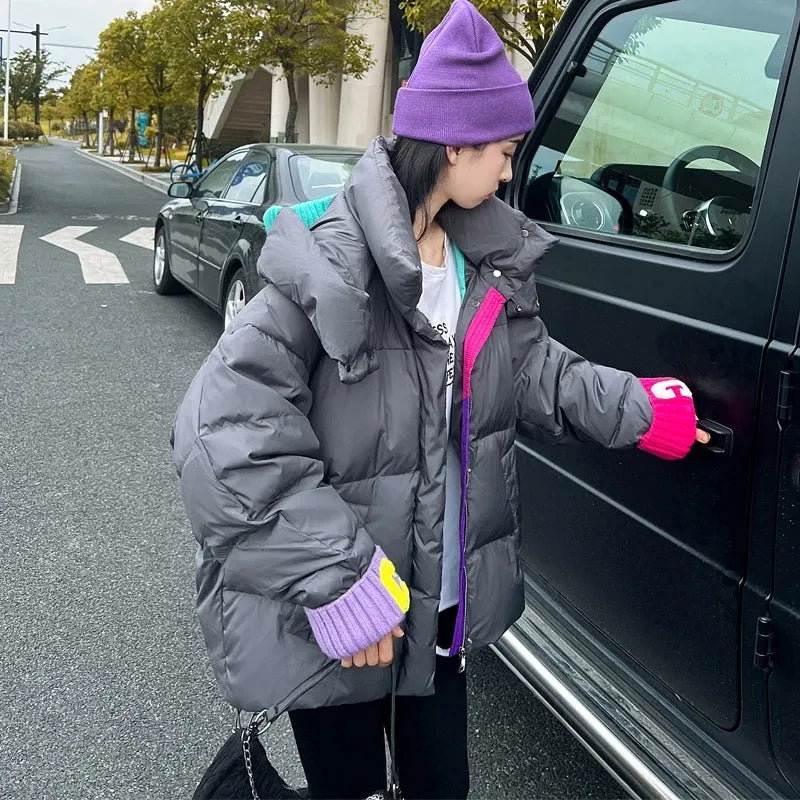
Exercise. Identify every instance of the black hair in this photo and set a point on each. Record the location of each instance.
(418, 166)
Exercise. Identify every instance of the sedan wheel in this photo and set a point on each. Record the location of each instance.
(236, 297)
(163, 281)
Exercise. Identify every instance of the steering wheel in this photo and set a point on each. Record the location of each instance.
(674, 173)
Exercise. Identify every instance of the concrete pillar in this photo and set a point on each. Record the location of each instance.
(301, 123)
(389, 72)
(361, 103)
(279, 108)
(518, 61)
(323, 112)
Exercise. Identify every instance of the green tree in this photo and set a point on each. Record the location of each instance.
(208, 45)
(29, 77)
(311, 38)
(537, 20)
(136, 48)
(123, 81)
(80, 98)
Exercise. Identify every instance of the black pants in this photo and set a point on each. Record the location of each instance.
(342, 747)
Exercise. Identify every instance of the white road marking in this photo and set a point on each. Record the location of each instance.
(10, 238)
(142, 237)
(97, 265)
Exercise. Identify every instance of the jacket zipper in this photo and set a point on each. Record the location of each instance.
(477, 333)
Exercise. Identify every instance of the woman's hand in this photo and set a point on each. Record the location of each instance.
(379, 654)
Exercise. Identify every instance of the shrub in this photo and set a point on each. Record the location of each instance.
(7, 163)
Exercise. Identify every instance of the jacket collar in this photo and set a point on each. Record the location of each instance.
(326, 268)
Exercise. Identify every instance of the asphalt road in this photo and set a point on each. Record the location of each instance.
(104, 683)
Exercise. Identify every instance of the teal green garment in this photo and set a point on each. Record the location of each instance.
(312, 210)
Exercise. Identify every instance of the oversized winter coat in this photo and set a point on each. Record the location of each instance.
(315, 431)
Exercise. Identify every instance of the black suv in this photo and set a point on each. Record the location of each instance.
(663, 598)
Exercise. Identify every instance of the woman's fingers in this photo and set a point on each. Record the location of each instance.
(372, 655)
(379, 654)
(702, 436)
(386, 650)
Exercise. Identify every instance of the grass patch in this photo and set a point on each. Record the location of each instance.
(7, 164)
(154, 169)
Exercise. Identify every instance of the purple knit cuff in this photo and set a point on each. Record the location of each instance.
(364, 614)
(674, 427)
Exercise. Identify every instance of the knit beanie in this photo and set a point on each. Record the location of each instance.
(463, 90)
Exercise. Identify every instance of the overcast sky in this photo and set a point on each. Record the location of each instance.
(82, 21)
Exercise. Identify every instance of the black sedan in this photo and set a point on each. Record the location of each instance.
(209, 235)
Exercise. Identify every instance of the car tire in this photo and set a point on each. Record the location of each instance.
(238, 292)
(163, 279)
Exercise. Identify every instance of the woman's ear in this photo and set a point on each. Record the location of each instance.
(452, 154)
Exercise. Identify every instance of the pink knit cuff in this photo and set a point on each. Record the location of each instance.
(673, 430)
(364, 614)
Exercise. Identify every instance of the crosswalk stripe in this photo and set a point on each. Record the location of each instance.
(141, 237)
(10, 238)
(97, 265)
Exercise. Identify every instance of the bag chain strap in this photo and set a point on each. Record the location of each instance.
(248, 763)
(252, 728)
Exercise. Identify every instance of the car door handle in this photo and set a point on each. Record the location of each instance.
(238, 221)
(198, 217)
(721, 443)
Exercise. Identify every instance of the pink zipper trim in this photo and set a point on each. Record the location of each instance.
(477, 334)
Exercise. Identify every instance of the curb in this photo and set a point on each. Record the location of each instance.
(149, 181)
(11, 206)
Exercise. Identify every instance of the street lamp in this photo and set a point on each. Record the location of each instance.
(8, 72)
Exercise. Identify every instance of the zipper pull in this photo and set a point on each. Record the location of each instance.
(462, 660)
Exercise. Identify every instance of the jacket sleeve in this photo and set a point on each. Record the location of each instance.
(253, 483)
(560, 396)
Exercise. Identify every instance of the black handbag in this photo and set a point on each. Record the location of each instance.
(241, 769)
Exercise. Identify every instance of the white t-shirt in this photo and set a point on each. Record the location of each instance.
(440, 303)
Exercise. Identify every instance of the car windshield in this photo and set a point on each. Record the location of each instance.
(320, 175)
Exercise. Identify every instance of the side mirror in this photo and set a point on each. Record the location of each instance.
(180, 189)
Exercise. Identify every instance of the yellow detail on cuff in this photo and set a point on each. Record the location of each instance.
(394, 584)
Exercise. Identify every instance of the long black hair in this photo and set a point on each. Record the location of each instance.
(418, 166)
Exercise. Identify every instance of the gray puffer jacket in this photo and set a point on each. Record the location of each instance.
(315, 432)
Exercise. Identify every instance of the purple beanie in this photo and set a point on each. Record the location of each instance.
(463, 90)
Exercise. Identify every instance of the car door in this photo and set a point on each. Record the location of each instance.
(668, 264)
(778, 630)
(225, 219)
(186, 221)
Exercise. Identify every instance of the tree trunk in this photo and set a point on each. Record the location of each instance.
(291, 114)
(159, 136)
(85, 130)
(111, 130)
(132, 136)
(198, 131)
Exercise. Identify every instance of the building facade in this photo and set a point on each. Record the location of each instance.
(350, 112)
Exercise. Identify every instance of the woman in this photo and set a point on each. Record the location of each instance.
(346, 452)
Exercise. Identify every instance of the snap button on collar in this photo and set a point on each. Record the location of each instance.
(497, 273)
(525, 233)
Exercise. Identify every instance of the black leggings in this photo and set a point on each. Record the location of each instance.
(342, 747)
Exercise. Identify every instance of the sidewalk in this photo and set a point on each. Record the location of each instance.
(154, 180)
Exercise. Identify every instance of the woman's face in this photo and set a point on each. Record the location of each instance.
(475, 174)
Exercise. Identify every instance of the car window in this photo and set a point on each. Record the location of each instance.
(213, 184)
(661, 133)
(248, 178)
(314, 177)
